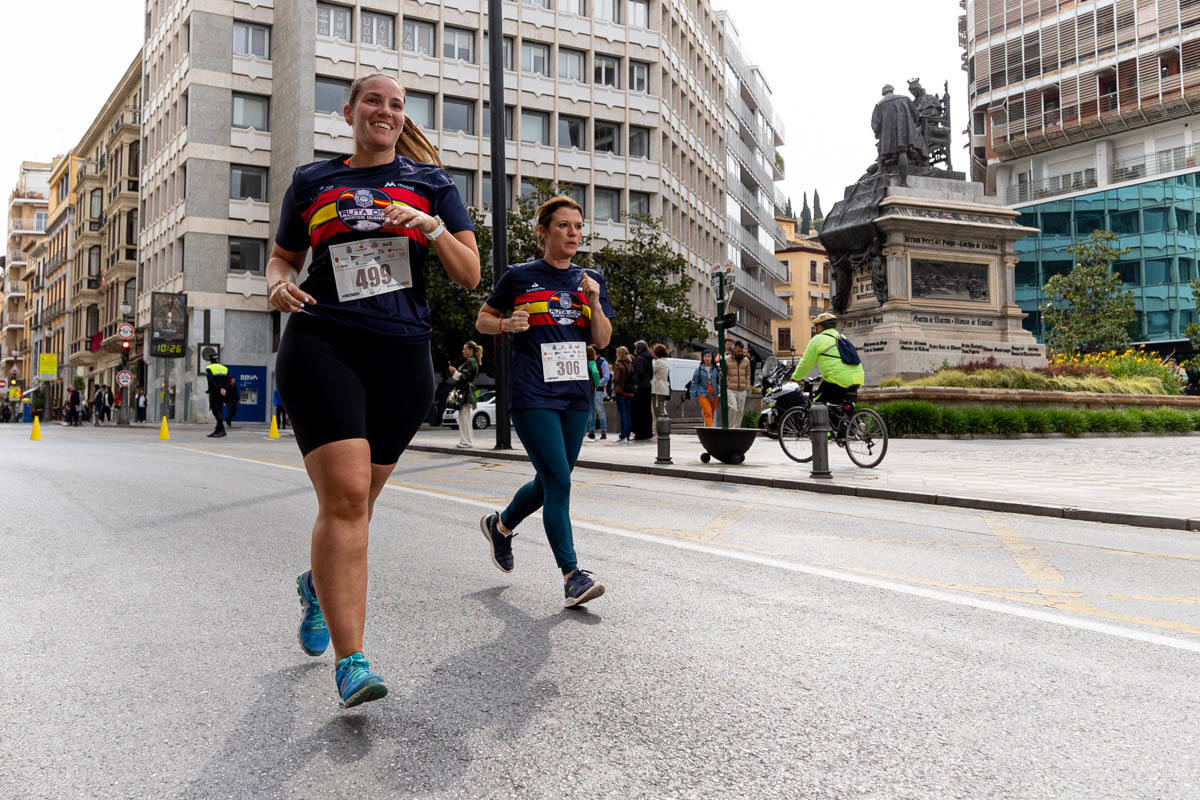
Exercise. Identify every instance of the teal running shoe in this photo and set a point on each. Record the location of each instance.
(355, 681)
(314, 635)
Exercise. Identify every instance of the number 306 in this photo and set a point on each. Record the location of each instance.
(569, 368)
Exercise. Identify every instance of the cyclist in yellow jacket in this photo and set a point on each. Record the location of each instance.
(837, 377)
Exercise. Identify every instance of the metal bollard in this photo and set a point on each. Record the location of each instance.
(818, 429)
(663, 426)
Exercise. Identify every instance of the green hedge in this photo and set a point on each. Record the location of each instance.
(908, 417)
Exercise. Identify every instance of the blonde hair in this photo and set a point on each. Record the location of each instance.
(546, 211)
(476, 351)
(623, 354)
(412, 143)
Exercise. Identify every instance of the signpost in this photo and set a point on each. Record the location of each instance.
(722, 283)
(124, 379)
(125, 330)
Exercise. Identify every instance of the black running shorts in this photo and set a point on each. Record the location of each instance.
(341, 383)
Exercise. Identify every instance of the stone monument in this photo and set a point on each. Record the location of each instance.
(922, 260)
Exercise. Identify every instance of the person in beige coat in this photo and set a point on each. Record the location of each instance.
(660, 380)
(737, 370)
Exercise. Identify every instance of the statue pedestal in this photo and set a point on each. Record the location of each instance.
(949, 296)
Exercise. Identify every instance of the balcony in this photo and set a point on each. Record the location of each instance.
(1174, 159)
(85, 289)
(13, 321)
(750, 288)
(26, 225)
(751, 247)
(749, 159)
(1049, 187)
(14, 289)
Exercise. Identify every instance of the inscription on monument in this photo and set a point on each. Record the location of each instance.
(949, 280)
(862, 290)
(957, 244)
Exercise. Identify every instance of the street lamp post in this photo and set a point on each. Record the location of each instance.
(499, 209)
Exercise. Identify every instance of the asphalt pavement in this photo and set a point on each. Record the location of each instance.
(753, 642)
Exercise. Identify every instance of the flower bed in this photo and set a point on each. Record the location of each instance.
(923, 418)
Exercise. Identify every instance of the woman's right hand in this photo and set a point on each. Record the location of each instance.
(286, 296)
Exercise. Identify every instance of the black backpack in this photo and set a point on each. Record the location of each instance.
(846, 351)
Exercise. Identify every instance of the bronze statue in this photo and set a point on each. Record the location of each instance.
(898, 133)
(933, 115)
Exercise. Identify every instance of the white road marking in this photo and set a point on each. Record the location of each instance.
(805, 569)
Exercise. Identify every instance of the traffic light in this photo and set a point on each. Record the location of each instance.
(125, 345)
(728, 321)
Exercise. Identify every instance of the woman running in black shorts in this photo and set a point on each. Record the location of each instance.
(354, 369)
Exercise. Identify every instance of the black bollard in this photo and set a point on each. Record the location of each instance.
(663, 425)
(818, 429)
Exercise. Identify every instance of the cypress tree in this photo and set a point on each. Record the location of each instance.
(805, 216)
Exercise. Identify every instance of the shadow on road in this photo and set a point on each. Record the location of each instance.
(421, 739)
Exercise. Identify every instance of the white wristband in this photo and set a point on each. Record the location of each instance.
(436, 232)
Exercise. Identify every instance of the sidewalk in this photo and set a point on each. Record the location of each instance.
(1148, 481)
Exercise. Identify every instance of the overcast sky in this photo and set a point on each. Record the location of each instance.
(825, 63)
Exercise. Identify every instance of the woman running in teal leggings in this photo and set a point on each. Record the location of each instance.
(555, 310)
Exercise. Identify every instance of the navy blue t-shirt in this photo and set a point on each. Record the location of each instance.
(558, 312)
(331, 203)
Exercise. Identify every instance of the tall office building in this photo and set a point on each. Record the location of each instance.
(1081, 118)
(753, 132)
(619, 101)
(27, 217)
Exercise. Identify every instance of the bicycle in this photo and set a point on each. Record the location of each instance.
(860, 431)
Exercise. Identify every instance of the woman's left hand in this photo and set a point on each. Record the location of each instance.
(590, 288)
(402, 216)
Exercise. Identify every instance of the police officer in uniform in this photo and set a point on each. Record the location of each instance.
(218, 382)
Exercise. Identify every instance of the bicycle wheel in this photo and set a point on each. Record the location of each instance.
(866, 438)
(793, 435)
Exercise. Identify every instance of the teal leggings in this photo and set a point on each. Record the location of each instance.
(552, 439)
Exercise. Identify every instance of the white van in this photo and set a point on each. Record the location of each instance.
(680, 372)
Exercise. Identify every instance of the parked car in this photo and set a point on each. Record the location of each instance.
(484, 416)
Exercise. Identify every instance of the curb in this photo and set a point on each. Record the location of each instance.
(821, 487)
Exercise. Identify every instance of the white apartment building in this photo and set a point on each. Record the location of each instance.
(620, 101)
(754, 131)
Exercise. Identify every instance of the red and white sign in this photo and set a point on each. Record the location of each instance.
(3, 384)
(125, 330)
(124, 378)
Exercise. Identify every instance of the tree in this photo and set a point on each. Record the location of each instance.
(817, 213)
(1193, 330)
(787, 212)
(648, 286)
(805, 216)
(1087, 310)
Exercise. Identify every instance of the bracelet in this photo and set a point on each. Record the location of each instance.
(275, 286)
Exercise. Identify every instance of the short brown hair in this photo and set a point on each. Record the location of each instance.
(412, 143)
(546, 211)
(659, 350)
(591, 351)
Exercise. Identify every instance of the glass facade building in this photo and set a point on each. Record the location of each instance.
(1159, 221)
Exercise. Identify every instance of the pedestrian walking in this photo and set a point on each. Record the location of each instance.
(703, 386)
(6, 412)
(98, 406)
(354, 367)
(139, 402)
(217, 376)
(232, 400)
(464, 383)
(643, 373)
(74, 401)
(280, 412)
(622, 386)
(660, 380)
(601, 376)
(109, 403)
(555, 308)
(737, 383)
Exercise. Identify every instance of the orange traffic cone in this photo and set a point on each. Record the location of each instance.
(36, 435)
(163, 433)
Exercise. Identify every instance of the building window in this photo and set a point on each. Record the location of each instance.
(333, 22)
(639, 203)
(95, 204)
(639, 76)
(131, 229)
(247, 254)
(418, 106)
(458, 115)
(535, 58)
(605, 71)
(251, 111)
(825, 272)
(577, 192)
(464, 181)
(508, 122)
(571, 132)
(538, 3)
(639, 142)
(251, 40)
(419, 37)
(572, 7)
(487, 190)
(331, 95)
(783, 340)
(607, 9)
(607, 138)
(458, 44)
(247, 182)
(535, 127)
(571, 65)
(608, 204)
(378, 29)
(94, 262)
(639, 14)
(812, 271)
(507, 52)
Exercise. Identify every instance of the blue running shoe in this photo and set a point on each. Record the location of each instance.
(580, 588)
(314, 635)
(500, 544)
(355, 681)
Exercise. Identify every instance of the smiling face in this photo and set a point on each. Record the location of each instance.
(564, 233)
(467, 352)
(376, 115)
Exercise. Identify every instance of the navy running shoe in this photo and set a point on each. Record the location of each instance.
(314, 635)
(580, 588)
(356, 682)
(500, 544)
